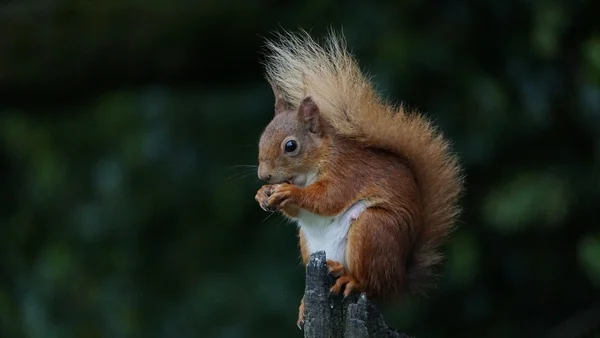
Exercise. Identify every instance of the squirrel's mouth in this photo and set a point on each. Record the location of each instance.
(289, 180)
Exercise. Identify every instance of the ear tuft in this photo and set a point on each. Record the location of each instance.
(310, 114)
(281, 104)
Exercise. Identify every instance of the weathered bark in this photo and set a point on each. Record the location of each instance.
(332, 316)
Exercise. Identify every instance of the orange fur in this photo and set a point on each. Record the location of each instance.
(354, 147)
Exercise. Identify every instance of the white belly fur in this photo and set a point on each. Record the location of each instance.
(329, 233)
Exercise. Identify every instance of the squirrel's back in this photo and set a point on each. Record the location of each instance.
(301, 67)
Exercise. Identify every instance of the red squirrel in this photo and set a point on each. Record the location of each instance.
(375, 186)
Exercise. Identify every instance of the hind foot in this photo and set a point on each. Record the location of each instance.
(336, 269)
(344, 279)
(300, 321)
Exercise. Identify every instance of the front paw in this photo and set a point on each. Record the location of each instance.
(281, 195)
(262, 197)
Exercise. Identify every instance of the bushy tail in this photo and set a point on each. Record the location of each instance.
(348, 101)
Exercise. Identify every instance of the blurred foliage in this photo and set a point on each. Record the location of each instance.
(128, 131)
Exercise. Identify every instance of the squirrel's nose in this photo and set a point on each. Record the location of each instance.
(264, 177)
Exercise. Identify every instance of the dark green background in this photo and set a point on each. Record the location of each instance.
(125, 212)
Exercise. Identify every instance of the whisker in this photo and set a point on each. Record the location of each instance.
(239, 176)
(266, 218)
(280, 223)
(253, 166)
(244, 171)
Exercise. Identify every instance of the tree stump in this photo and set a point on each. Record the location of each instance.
(331, 316)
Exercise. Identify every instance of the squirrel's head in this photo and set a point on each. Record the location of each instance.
(290, 146)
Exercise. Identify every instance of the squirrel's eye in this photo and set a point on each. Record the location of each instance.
(290, 146)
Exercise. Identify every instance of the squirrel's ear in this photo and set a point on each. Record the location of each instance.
(310, 114)
(281, 104)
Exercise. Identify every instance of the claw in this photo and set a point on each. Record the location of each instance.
(344, 279)
(262, 198)
(352, 284)
(300, 321)
(339, 284)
